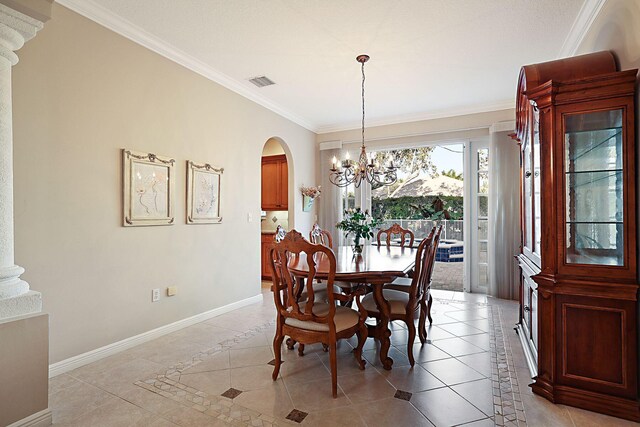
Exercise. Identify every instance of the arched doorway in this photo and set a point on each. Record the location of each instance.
(276, 203)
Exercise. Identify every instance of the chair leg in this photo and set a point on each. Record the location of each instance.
(422, 330)
(412, 336)
(334, 368)
(362, 335)
(300, 349)
(429, 308)
(290, 343)
(277, 348)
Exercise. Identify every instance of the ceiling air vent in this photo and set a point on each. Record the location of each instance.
(262, 81)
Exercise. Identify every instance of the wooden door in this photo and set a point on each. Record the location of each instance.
(270, 185)
(265, 246)
(283, 188)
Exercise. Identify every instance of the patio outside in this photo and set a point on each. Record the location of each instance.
(429, 193)
(448, 273)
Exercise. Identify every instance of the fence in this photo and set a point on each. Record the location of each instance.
(451, 229)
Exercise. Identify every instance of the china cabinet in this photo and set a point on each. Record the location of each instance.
(578, 317)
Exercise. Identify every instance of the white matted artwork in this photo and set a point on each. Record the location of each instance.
(149, 183)
(203, 193)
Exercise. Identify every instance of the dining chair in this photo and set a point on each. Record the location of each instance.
(403, 284)
(396, 229)
(308, 322)
(280, 233)
(403, 305)
(323, 237)
(319, 236)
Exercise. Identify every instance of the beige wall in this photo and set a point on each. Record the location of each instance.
(81, 93)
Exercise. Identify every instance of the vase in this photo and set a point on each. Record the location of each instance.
(307, 203)
(357, 247)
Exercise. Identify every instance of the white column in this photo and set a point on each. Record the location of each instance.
(15, 297)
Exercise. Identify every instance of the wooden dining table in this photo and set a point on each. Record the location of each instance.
(376, 266)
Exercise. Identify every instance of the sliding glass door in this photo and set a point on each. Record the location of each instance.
(476, 215)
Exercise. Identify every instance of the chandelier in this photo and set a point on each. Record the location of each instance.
(347, 172)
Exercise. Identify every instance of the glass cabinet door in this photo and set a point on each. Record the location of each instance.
(536, 181)
(593, 167)
(527, 193)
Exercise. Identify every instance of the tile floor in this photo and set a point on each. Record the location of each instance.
(218, 373)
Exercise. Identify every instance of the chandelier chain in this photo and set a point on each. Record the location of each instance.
(363, 79)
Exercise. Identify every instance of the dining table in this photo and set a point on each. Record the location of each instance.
(376, 266)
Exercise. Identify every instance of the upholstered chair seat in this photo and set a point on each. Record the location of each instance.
(344, 319)
(398, 301)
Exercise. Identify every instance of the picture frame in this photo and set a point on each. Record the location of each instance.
(148, 188)
(203, 193)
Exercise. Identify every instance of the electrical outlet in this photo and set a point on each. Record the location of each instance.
(172, 290)
(155, 295)
(249, 217)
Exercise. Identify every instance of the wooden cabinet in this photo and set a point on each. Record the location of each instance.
(578, 312)
(275, 185)
(266, 241)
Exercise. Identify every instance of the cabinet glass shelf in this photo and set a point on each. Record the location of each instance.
(594, 190)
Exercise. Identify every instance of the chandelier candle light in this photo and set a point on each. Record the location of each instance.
(348, 171)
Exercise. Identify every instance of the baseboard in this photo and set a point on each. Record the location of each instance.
(111, 349)
(39, 419)
(603, 403)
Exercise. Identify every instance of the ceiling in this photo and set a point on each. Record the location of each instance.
(429, 58)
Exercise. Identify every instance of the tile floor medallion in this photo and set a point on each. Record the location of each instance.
(462, 376)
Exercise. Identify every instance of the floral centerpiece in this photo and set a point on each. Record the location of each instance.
(309, 194)
(360, 224)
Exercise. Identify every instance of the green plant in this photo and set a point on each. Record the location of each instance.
(358, 223)
(407, 207)
(451, 173)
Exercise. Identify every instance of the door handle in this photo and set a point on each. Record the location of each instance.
(526, 308)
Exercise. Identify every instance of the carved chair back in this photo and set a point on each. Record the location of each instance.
(293, 248)
(321, 237)
(430, 260)
(280, 233)
(420, 275)
(395, 229)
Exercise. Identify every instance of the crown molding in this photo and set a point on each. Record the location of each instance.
(104, 17)
(587, 14)
(453, 112)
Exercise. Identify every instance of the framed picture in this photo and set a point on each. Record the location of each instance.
(203, 193)
(149, 183)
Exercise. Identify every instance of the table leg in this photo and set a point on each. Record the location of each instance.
(382, 329)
